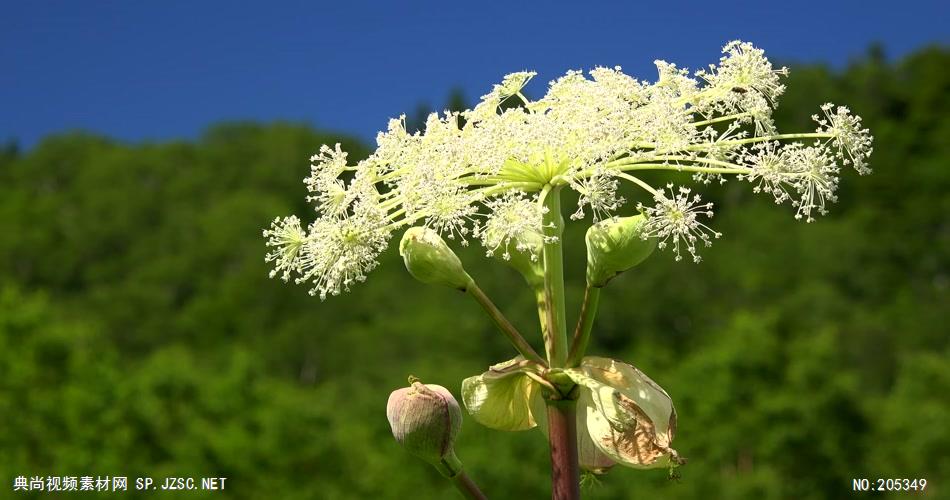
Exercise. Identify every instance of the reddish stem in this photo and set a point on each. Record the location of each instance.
(562, 436)
(467, 487)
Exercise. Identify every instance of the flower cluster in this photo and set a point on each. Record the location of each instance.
(675, 221)
(515, 219)
(483, 174)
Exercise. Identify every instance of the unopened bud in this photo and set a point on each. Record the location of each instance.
(430, 260)
(425, 419)
(615, 245)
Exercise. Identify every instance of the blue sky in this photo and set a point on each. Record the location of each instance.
(166, 70)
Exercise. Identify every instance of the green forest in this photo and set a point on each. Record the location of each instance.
(140, 335)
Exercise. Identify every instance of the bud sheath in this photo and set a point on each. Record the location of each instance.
(429, 260)
(615, 245)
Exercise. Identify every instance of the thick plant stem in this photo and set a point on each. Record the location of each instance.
(561, 407)
(562, 436)
(554, 275)
(504, 325)
(467, 487)
(451, 468)
(584, 325)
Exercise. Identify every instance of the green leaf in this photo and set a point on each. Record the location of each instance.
(502, 398)
(630, 418)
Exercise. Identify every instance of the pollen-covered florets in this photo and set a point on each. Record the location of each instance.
(510, 86)
(674, 80)
(674, 221)
(286, 238)
(587, 120)
(328, 161)
(768, 170)
(808, 176)
(599, 192)
(449, 210)
(743, 68)
(513, 83)
(324, 183)
(616, 83)
(339, 252)
(815, 177)
(744, 83)
(392, 145)
(665, 122)
(510, 218)
(853, 142)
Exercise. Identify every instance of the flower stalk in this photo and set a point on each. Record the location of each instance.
(467, 487)
(561, 407)
(585, 324)
(451, 468)
(509, 330)
(556, 341)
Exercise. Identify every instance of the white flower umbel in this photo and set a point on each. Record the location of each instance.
(853, 142)
(328, 190)
(510, 86)
(744, 68)
(478, 172)
(674, 221)
(599, 192)
(815, 179)
(286, 238)
(338, 252)
(511, 217)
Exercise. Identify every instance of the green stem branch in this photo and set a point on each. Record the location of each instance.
(584, 325)
(682, 168)
(719, 119)
(562, 405)
(644, 185)
(451, 468)
(664, 158)
(503, 324)
(546, 333)
(467, 487)
(777, 137)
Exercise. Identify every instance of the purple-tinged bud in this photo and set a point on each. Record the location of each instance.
(425, 419)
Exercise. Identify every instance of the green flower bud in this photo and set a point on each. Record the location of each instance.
(425, 419)
(430, 260)
(615, 245)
